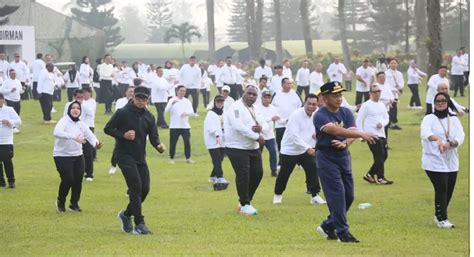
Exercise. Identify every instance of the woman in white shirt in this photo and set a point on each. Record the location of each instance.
(441, 135)
(71, 79)
(414, 77)
(69, 135)
(214, 140)
(85, 73)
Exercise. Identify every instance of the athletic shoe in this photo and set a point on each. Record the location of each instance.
(317, 200)
(3, 183)
(11, 185)
(53, 110)
(445, 224)
(16, 131)
(347, 238)
(248, 210)
(367, 177)
(171, 161)
(220, 186)
(384, 181)
(394, 126)
(127, 225)
(222, 181)
(89, 179)
(327, 231)
(112, 170)
(277, 199)
(189, 161)
(60, 207)
(141, 229)
(196, 115)
(164, 127)
(49, 121)
(212, 179)
(418, 107)
(74, 208)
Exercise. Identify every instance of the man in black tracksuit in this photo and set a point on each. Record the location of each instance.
(130, 127)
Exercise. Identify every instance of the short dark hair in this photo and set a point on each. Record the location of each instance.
(229, 57)
(263, 77)
(443, 67)
(179, 87)
(11, 70)
(105, 56)
(84, 59)
(192, 57)
(39, 55)
(310, 96)
(284, 80)
(159, 67)
(137, 82)
(380, 73)
(78, 91)
(87, 89)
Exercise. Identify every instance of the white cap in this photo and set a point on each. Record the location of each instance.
(226, 88)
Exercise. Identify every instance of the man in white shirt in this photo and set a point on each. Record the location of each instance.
(373, 118)
(228, 75)
(159, 96)
(219, 83)
(432, 84)
(414, 78)
(458, 66)
(4, 65)
(287, 70)
(124, 78)
(180, 110)
(302, 79)
(243, 125)
(37, 67)
(465, 56)
(395, 80)
(107, 73)
(211, 71)
(190, 77)
(11, 89)
(22, 71)
(45, 89)
(316, 79)
(225, 92)
(261, 70)
(270, 113)
(276, 82)
(365, 78)
(8, 120)
(171, 74)
(386, 97)
(298, 147)
(336, 71)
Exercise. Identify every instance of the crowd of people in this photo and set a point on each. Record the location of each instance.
(247, 115)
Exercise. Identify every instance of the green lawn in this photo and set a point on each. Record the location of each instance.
(188, 218)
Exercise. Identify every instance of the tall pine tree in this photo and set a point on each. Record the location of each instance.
(96, 14)
(236, 30)
(159, 17)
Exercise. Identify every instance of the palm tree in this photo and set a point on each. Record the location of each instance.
(182, 32)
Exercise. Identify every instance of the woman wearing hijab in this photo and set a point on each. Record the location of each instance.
(441, 135)
(69, 135)
(71, 77)
(214, 140)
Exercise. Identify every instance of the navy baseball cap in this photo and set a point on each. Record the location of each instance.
(141, 91)
(331, 87)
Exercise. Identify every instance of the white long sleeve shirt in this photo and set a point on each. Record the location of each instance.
(46, 82)
(370, 114)
(268, 112)
(302, 77)
(315, 81)
(65, 132)
(229, 75)
(85, 73)
(121, 102)
(69, 83)
(432, 159)
(259, 71)
(414, 75)
(432, 84)
(37, 67)
(367, 75)
(172, 76)
(22, 70)
(6, 132)
(238, 122)
(190, 77)
(466, 60)
(275, 83)
(6, 89)
(90, 107)
(300, 134)
(106, 71)
(213, 129)
(228, 102)
(458, 65)
(287, 73)
(336, 71)
(159, 89)
(394, 79)
(386, 96)
(176, 110)
(4, 66)
(286, 104)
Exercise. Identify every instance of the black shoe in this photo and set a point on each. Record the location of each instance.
(327, 231)
(347, 238)
(220, 186)
(74, 208)
(141, 229)
(2, 183)
(11, 185)
(164, 127)
(384, 181)
(127, 225)
(60, 206)
(367, 177)
(395, 126)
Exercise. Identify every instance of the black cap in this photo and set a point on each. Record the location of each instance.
(219, 98)
(266, 92)
(142, 91)
(331, 87)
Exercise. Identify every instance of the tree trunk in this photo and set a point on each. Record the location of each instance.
(211, 36)
(407, 27)
(182, 50)
(421, 34)
(342, 27)
(257, 30)
(278, 41)
(434, 33)
(308, 42)
(250, 13)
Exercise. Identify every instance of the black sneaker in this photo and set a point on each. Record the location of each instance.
(367, 177)
(220, 186)
(2, 183)
(347, 238)
(127, 225)
(327, 231)
(384, 181)
(395, 126)
(11, 185)
(141, 229)
(74, 208)
(60, 207)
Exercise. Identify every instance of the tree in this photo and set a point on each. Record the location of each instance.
(211, 35)
(96, 14)
(159, 17)
(183, 32)
(253, 25)
(434, 34)
(236, 30)
(306, 27)
(342, 26)
(421, 34)
(278, 40)
(132, 27)
(5, 11)
(407, 26)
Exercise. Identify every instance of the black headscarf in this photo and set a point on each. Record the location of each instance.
(69, 108)
(218, 111)
(72, 73)
(444, 113)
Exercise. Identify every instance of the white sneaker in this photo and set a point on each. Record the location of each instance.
(53, 110)
(112, 170)
(196, 115)
(89, 179)
(277, 199)
(248, 210)
(189, 161)
(171, 161)
(212, 179)
(445, 224)
(222, 181)
(317, 200)
(418, 107)
(16, 131)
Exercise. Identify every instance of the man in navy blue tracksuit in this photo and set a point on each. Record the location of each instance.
(335, 131)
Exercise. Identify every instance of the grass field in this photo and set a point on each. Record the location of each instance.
(188, 218)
